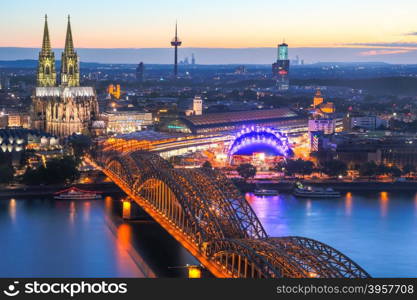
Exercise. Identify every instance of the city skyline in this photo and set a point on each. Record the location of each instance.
(238, 32)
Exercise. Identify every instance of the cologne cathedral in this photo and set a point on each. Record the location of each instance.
(62, 108)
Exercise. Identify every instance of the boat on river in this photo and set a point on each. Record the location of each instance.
(264, 192)
(314, 192)
(74, 193)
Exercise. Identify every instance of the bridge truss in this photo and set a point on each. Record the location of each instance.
(205, 212)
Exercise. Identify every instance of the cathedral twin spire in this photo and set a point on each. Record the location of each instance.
(46, 44)
(70, 69)
(46, 75)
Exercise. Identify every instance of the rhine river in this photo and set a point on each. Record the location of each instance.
(377, 230)
(48, 238)
(59, 238)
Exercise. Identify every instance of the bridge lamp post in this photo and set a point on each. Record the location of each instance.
(127, 210)
(194, 271)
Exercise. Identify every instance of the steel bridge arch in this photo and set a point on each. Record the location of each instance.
(208, 215)
(319, 258)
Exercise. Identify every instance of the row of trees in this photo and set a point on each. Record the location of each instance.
(301, 167)
(371, 169)
(56, 171)
(6, 168)
(331, 168)
(334, 168)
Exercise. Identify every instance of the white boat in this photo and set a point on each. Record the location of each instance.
(263, 192)
(314, 192)
(74, 193)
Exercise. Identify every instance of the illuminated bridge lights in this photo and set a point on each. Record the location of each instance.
(208, 216)
(251, 139)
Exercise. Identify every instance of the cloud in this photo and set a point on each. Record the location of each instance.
(389, 45)
(411, 33)
(382, 52)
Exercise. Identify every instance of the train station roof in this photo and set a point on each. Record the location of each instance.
(240, 116)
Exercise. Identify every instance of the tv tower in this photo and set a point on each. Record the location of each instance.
(176, 42)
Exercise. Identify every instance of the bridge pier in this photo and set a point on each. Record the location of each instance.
(132, 211)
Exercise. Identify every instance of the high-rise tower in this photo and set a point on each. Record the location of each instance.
(176, 42)
(70, 68)
(281, 68)
(46, 75)
(140, 72)
(283, 51)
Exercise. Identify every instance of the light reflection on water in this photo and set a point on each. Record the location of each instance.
(12, 209)
(48, 238)
(377, 230)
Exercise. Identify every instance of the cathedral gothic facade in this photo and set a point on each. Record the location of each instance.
(65, 108)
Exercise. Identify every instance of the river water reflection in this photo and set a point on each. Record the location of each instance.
(48, 238)
(377, 230)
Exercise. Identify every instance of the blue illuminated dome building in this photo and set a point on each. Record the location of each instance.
(257, 139)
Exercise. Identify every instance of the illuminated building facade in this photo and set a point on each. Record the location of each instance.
(67, 108)
(191, 107)
(18, 119)
(18, 139)
(281, 68)
(318, 99)
(321, 106)
(327, 126)
(114, 90)
(126, 121)
(320, 141)
(197, 106)
(328, 108)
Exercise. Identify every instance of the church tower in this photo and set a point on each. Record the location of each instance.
(46, 75)
(64, 109)
(70, 68)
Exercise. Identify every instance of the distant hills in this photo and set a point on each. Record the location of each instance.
(219, 55)
(32, 63)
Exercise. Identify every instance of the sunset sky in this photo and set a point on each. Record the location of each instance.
(386, 27)
(215, 23)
